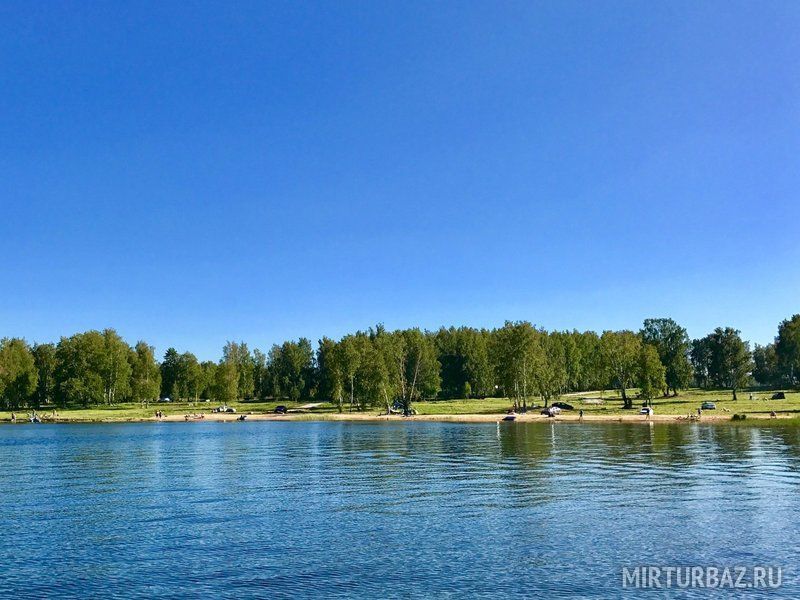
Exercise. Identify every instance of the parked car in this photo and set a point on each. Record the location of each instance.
(646, 411)
(165, 400)
(563, 406)
(551, 411)
(708, 406)
(280, 409)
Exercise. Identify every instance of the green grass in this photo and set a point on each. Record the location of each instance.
(136, 412)
(686, 403)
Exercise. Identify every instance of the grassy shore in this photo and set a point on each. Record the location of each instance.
(597, 406)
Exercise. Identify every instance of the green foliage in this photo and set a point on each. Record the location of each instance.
(621, 351)
(673, 346)
(787, 350)
(226, 382)
(18, 373)
(766, 369)
(239, 356)
(145, 373)
(464, 358)
(519, 357)
(652, 373)
(92, 368)
(723, 359)
(380, 368)
(170, 374)
(44, 357)
(290, 369)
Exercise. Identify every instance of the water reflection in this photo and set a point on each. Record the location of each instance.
(387, 509)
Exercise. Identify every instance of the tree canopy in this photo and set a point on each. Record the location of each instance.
(392, 370)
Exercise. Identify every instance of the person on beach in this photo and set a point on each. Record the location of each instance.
(13, 417)
(580, 415)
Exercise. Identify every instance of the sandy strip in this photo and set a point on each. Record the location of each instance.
(464, 418)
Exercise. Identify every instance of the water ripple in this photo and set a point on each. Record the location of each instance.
(387, 510)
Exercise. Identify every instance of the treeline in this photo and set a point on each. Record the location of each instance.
(393, 369)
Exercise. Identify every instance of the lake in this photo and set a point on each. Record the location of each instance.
(375, 510)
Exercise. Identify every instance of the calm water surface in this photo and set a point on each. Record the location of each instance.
(379, 510)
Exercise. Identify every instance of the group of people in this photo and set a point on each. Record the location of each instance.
(159, 414)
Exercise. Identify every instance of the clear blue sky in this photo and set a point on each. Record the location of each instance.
(191, 172)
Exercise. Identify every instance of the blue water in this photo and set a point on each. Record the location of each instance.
(260, 509)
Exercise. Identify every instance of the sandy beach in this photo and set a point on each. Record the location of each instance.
(462, 418)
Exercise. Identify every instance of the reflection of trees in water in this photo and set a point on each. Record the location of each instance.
(789, 437)
(724, 444)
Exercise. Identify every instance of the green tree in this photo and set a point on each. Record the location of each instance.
(620, 351)
(189, 376)
(673, 346)
(412, 369)
(787, 349)
(115, 370)
(729, 359)
(765, 365)
(518, 356)
(701, 361)
(81, 367)
(260, 374)
(329, 367)
(209, 371)
(291, 369)
(652, 373)
(145, 373)
(18, 374)
(239, 355)
(170, 374)
(44, 357)
(226, 382)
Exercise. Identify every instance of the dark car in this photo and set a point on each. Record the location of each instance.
(563, 406)
(280, 409)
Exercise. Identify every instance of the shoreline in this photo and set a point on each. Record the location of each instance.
(445, 418)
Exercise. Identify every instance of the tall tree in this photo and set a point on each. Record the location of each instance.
(620, 351)
(700, 355)
(329, 367)
(652, 373)
(209, 371)
(787, 349)
(226, 382)
(190, 376)
(145, 373)
(518, 355)
(18, 374)
(673, 346)
(411, 365)
(239, 355)
(765, 365)
(260, 389)
(170, 373)
(44, 357)
(115, 369)
(729, 359)
(550, 371)
(81, 369)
